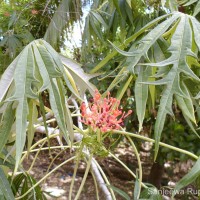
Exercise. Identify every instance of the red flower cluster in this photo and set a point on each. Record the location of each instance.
(7, 14)
(103, 113)
(34, 12)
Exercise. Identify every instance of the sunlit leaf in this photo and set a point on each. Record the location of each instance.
(80, 77)
(197, 9)
(141, 93)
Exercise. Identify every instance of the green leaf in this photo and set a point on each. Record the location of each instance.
(189, 177)
(186, 103)
(197, 9)
(13, 19)
(100, 19)
(137, 189)
(7, 79)
(80, 77)
(120, 192)
(127, 42)
(5, 186)
(57, 59)
(57, 23)
(190, 2)
(1, 196)
(123, 88)
(69, 120)
(6, 125)
(180, 48)
(146, 42)
(36, 70)
(151, 193)
(196, 30)
(50, 74)
(32, 119)
(116, 3)
(122, 75)
(96, 28)
(141, 93)
(23, 77)
(173, 5)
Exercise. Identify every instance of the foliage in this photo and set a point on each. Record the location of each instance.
(151, 51)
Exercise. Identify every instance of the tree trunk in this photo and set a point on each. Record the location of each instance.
(156, 173)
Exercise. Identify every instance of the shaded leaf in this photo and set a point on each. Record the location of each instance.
(6, 125)
(119, 191)
(5, 186)
(189, 177)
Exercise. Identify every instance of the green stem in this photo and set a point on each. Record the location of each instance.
(75, 171)
(84, 177)
(139, 165)
(95, 183)
(57, 167)
(53, 160)
(118, 160)
(83, 132)
(35, 157)
(52, 147)
(153, 141)
(48, 121)
(36, 144)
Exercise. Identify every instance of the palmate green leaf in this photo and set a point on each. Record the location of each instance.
(5, 127)
(5, 186)
(180, 49)
(189, 177)
(50, 73)
(36, 70)
(146, 42)
(23, 78)
(127, 42)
